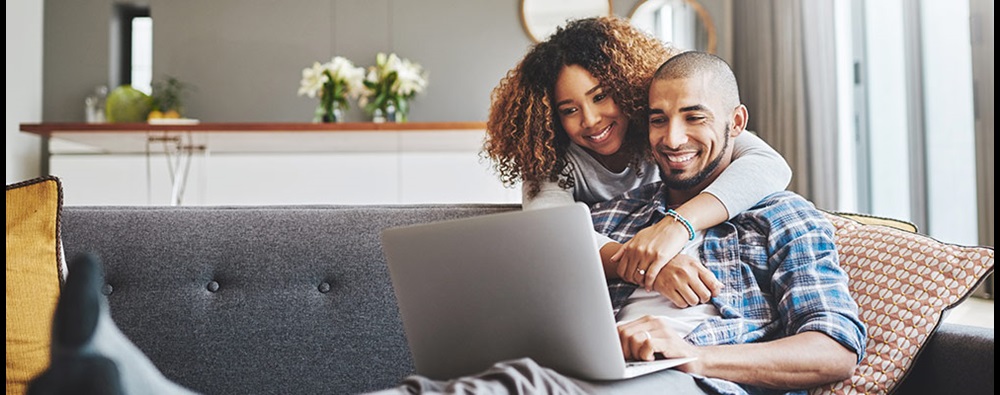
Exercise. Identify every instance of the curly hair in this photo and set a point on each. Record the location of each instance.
(524, 136)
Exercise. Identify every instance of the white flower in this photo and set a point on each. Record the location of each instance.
(338, 75)
(343, 71)
(392, 63)
(313, 79)
(361, 84)
(410, 79)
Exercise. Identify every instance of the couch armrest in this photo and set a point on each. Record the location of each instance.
(957, 359)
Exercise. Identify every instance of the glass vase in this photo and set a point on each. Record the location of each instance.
(390, 112)
(378, 116)
(401, 115)
(334, 113)
(399, 111)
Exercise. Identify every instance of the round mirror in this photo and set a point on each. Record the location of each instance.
(540, 18)
(683, 23)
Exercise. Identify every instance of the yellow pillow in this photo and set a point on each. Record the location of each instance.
(34, 275)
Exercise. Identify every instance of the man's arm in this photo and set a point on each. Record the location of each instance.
(807, 283)
(823, 336)
(804, 360)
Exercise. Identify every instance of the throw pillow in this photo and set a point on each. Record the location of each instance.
(34, 275)
(902, 282)
(873, 220)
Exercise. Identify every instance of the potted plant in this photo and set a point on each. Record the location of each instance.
(168, 98)
(333, 82)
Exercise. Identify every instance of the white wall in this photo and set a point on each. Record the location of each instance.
(244, 58)
(24, 86)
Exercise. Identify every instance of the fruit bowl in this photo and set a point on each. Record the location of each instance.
(173, 121)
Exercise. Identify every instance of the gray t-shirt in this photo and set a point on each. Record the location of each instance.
(594, 183)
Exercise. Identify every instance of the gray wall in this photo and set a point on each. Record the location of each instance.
(245, 57)
(24, 87)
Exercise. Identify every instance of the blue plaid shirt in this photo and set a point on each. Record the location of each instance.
(778, 263)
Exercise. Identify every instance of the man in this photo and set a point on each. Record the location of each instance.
(784, 318)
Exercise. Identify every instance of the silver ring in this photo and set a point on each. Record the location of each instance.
(642, 272)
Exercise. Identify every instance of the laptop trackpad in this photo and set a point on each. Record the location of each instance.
(639, 368)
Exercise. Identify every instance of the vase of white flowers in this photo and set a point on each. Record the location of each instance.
(389, 86)
(333, 82)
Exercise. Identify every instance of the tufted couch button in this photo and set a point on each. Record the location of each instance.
(212, 286)
(107, 289)
(324, 287)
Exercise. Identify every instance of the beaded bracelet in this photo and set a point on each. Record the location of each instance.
(677, 216)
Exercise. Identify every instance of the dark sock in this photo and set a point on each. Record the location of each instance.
(76, 317)
(86, 339)
(76, 374)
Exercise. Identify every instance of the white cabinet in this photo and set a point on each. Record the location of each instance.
(424, 165)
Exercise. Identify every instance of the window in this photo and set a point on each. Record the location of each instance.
(142, 53)
(134, 56)
(914, 115)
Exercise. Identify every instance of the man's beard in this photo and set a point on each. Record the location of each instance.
(697, 179)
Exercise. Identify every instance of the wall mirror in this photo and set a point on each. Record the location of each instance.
(540, 18)
(683, 23)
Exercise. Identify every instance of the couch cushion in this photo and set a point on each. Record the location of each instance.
(33, 276)
(903, 282)
(257, 300)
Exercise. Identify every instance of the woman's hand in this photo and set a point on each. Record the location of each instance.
(640, 259)
(644, 261)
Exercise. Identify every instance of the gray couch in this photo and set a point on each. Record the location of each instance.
(297, 300)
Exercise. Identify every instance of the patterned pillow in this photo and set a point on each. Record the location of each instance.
(903, 282)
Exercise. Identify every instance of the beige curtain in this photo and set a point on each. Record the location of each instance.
(784, 57)
(982, 68)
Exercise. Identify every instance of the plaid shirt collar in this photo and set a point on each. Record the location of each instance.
(622, 218)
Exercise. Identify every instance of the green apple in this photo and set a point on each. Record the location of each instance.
(127, 104)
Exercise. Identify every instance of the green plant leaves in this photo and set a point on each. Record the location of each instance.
(168, 94)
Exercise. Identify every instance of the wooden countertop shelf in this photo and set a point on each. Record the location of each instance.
(49, 128)
(68, 138)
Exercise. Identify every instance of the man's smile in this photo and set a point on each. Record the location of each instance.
(678, 160)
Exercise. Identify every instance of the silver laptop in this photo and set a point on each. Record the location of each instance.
(476, 291)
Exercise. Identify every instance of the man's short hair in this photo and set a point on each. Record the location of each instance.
(694, 63)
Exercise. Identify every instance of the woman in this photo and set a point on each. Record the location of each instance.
(570, 122)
